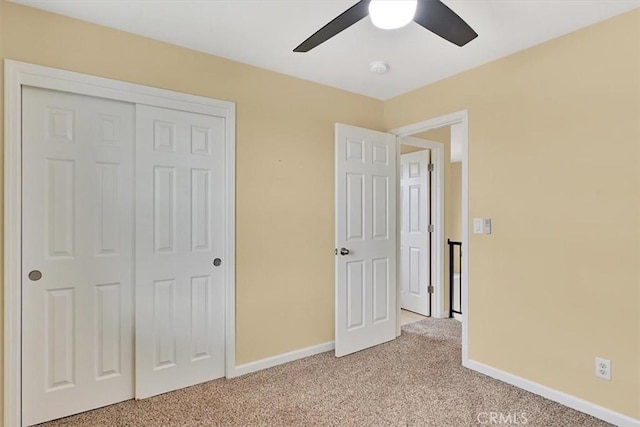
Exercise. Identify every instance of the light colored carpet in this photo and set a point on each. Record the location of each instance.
(416, 380)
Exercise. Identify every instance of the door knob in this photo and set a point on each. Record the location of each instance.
(217, 262)
(344, 251)
(35, 275)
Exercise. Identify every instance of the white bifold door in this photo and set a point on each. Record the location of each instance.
(84, 212)
(415, 243)
(77, 237)
(179, 246)
(365, 238)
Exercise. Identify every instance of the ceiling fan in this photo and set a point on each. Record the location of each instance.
(433, 15)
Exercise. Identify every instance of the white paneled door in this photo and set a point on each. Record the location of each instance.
(365, 238)
(84, 212)
(179, 253)
(77, 243)
(415, 188)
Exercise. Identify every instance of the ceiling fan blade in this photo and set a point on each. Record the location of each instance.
(349, 17)
(436, 17)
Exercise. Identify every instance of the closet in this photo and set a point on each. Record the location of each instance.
(123, 251)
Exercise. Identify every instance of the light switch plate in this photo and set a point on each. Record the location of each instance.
(487, 226)
(478, 225)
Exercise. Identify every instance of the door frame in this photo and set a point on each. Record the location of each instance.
(18, 74)
(459, 122)
(436, 251)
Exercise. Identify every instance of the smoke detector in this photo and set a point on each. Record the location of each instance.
(379, 67)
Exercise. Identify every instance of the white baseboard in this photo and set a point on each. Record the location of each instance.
(576, 403)
(270, 362)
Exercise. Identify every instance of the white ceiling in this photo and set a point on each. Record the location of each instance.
(264, 32)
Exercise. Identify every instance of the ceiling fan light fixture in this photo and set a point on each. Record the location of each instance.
(392, 14)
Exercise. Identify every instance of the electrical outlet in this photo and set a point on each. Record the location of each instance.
(603, 368)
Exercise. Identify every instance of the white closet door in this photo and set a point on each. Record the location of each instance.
(179, 233)
(77, 235)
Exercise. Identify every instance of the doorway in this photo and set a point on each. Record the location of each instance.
(368, 229)
(458, 127)
(452, 168)
(70, 193)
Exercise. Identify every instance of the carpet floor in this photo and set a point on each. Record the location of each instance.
(415, 380)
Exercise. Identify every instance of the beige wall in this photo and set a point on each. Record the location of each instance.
(555, 162)
(454, 214)
(285, 163)
(442, 135)
(406, 149)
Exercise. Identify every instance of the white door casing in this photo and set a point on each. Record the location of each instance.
(366, 227)
(180, 311)
(77, 230)
(415, 243)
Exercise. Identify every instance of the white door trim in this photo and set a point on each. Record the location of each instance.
(437, 218)
(460, 119)
(18, 74)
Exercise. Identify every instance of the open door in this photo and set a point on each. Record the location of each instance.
(365, 238)
(415, 234)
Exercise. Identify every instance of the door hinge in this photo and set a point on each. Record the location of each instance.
(431, 167)
(432, 228)
(430, 289)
